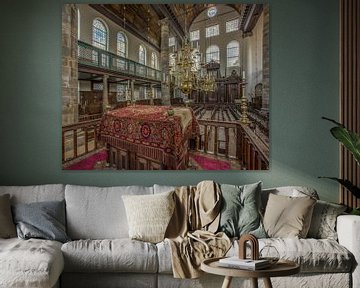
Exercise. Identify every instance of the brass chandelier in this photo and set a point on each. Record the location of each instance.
(188, 72)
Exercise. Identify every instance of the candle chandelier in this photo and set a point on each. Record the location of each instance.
(187, 70)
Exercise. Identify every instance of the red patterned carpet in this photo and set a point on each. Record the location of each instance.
(208, 163)
(89, 162)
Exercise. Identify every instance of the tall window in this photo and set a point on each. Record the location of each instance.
(99, 34)
(212, 31)
(142, 55)
(121, 44)
(194, 35)
(212, 54)
(154, 61)
(232, 25)
(232, 50)
(171, 41)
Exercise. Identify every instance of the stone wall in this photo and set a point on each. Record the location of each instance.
(69, 83)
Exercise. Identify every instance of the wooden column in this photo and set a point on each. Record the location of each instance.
(349, 90)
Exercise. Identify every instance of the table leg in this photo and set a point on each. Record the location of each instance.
(227, 282)
(254, 282)
(267, 283)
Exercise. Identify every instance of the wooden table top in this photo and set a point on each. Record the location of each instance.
(281, 268)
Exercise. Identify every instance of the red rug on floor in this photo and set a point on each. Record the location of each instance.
(89, 162)
(207, 163)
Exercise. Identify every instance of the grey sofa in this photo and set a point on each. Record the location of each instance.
(101, 254)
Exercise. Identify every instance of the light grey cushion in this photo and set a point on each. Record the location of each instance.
(288, 216)
(323, 222)
(44, 220)
(32, 263)
(149, 215)
(98, 213)
(7, 226)
(36, 193)
(117, 255)
(240, 212)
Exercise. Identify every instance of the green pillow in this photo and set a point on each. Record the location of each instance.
(240, 210)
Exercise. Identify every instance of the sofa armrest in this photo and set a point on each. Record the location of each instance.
(348, 230)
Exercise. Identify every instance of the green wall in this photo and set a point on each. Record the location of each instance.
(304, 87)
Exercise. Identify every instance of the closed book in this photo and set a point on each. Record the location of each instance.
(236, 262)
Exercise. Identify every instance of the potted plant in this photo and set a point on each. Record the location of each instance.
(351, 141)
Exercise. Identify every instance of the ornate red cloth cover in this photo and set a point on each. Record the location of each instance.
(158, 132)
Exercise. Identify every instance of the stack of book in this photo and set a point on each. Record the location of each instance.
(248, 264)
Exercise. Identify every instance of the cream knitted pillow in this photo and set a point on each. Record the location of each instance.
(149, 215)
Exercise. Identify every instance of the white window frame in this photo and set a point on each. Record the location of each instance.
(210, 51)
(118, 51)
(212, 31)
(230, 27)
(195, 35)
(230, 59)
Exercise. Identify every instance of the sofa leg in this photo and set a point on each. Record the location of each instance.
(227, 282)
(267, 283)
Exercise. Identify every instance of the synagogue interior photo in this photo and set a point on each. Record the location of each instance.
(165, 86)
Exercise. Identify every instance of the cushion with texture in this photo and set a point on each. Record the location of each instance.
(240, 210)
(323, 222)
(110, 255)
(287, 217)
(43, 220)
(31, 263)
(149, 215)
(7, 226)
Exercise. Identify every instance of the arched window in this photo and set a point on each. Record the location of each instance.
(142, 55)
(154, 61)
(232, 50)
(121, 44)
(212, 54)
(99, 34)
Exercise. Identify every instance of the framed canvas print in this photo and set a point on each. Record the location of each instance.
(165, 87)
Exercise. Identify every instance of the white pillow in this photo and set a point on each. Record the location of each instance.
(149, 215)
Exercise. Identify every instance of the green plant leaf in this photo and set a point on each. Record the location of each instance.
(349, 139)
(347, 184)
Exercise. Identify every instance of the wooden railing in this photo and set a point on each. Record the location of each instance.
(88, 117)
(233, 140)
(94, 57)
(79, 139)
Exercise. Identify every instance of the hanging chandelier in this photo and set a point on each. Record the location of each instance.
(187, 70)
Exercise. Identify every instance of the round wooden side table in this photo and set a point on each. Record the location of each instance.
(281, 268)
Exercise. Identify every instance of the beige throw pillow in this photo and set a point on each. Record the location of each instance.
(288, 217)
(7, 226)
(148, 215)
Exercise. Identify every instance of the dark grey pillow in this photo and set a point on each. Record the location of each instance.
(44, 220)
(240, 213)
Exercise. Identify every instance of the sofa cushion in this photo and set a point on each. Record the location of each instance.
(98, 213)
(36, 193)
(323, 222)
(7, 226)
(291, 191)
(117, 255)
(43, 220)
(313, 255)
(240, 210)
(149, 215)
(30, 263)
(287, 216)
